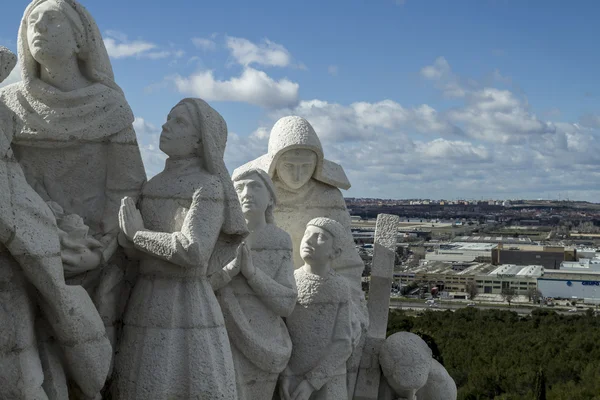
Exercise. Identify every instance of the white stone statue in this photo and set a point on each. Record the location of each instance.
(174, 343)
(256, 290)
(321, 324)
(75, 141)
(308, 186)
(32, 278)
(410, 372)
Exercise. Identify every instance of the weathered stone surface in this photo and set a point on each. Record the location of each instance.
(321, 324)
(410, 372)
(308, 186)
(75, 141)
(439, 386)
(256, 290)
(73, 343)
(382, 271)
(174, 342)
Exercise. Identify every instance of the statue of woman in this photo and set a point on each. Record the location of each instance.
(75, 140)
(256, 290)
(32, 277)
(174, 343)
(308, 186)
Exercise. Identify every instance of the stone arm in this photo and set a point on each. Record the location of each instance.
(192, 247)
(125, 176)
(221, 278)
(278, 293)
(337, 353)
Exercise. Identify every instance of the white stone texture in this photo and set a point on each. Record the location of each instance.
(30, 258)
(74, 138)
(320, 196)
(439, 386)
(405, 361)
(255, 297)
(321, 330)
(8, 61)
(174, 343)
(382, 271)
(410, 372)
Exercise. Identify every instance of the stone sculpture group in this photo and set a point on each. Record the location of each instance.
(192, 285)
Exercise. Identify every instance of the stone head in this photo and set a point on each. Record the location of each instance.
(8, 60)
(296, 167)
(405, 360)
(256, 193)
(179, 137)
(322, 241)
(55, 32)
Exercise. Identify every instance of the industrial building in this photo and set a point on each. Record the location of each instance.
(460, 252)
(574, 280)
(549, 257)
(490, 279)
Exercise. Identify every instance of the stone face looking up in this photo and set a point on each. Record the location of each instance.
(174, 342)
(83, 159)
(53, 333)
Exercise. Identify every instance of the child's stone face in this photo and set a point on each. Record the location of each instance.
(316, 246)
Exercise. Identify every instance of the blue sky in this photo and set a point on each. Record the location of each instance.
(434, 99)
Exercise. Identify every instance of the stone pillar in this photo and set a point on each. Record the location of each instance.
(384, 253)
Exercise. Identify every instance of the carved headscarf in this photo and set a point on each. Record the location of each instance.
(213, 131)
(294, 133)
(87, 114)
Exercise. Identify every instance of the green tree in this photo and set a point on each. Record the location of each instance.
(508, 294)
(472, 289)
(540, 385)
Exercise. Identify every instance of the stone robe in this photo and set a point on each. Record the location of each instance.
(253, 310)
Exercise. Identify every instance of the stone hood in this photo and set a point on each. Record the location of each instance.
(291, 133)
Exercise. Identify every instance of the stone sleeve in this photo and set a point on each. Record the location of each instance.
(192, 247)
(125, 176)
(338, 351)
(220, 278)
(280, 293)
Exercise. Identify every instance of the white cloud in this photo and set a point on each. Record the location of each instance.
(148, 136)
(490, 146)
(204, 44)
(267, 53)
(252, 86)
(13, 77)
(119, 46)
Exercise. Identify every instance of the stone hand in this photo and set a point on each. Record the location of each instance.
(130, 218)
(79, 254)
(234, 267)
(284, 387)
(248, 268)
(303, 391)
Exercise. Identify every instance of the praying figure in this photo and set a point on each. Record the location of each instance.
(189, 224)
(308, 186)
(321, 324)
(257, 290)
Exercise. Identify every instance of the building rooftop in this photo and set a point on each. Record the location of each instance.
(493, 239)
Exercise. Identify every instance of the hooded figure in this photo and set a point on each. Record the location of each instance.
(308, 186)
(174, 343)
(31, 276)
(74, 136)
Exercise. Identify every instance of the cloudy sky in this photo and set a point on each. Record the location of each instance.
(415, 98)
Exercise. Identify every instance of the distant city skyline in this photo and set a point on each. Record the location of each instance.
(416, 99)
